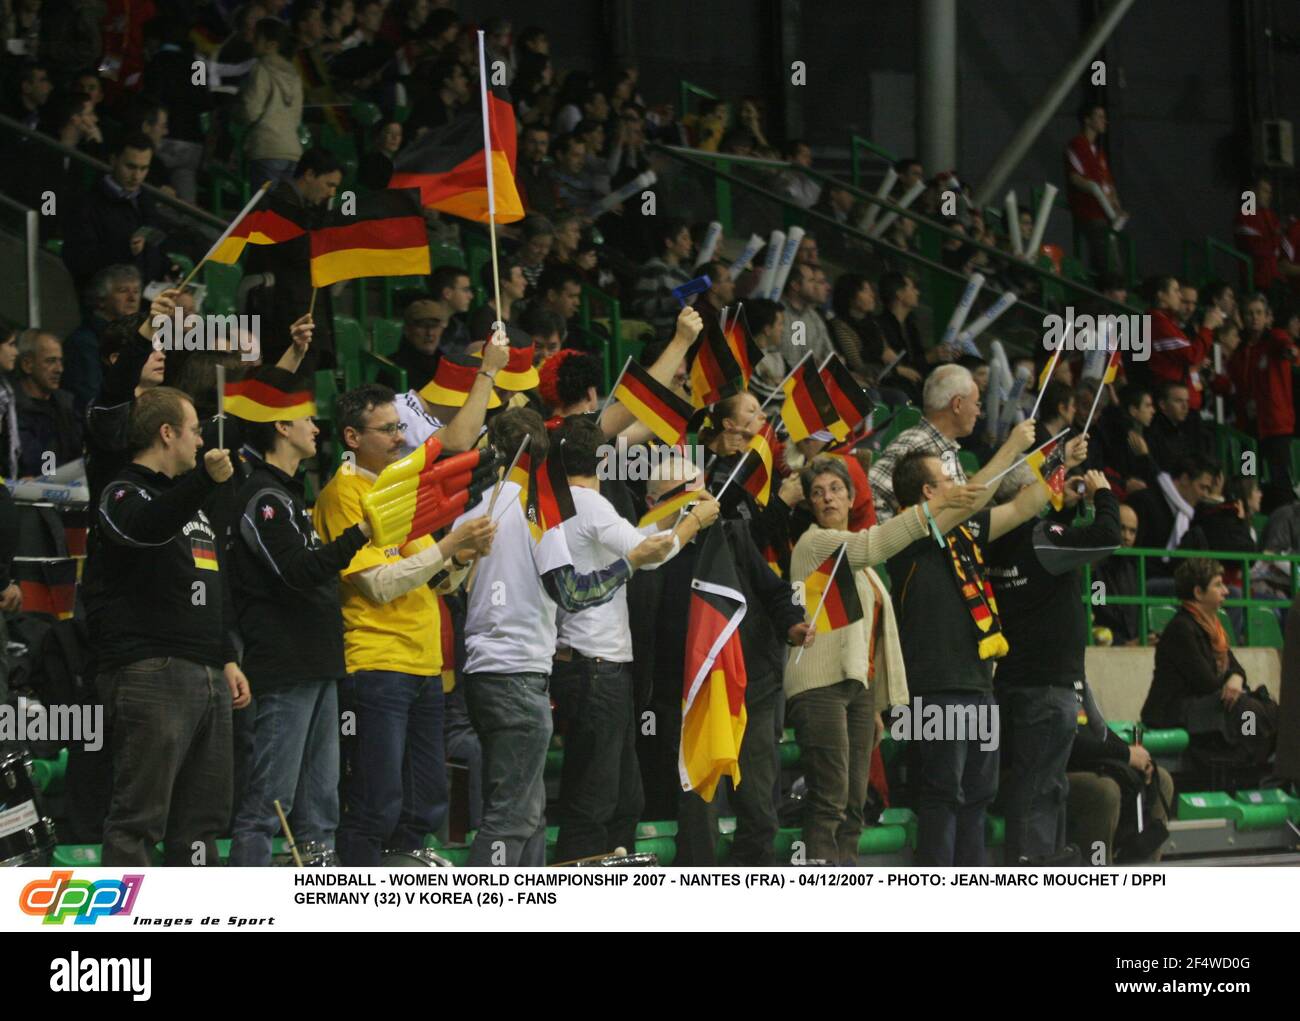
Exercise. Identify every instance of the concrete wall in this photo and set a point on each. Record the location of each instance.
(1120, 678)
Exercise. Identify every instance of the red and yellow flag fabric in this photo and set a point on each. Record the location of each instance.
(1112, 367)
(755, 471)
(670, 503)
(419, 493)
(831, 587)
(808, 408)
(447, 164)
(546, 499)
(384, 236)
(262, 225)
(848, 398)
(714, 371)
(48, 584)
(714, 678)
(654, 405)
(271, 394)
(1048, 465)
(741, 344)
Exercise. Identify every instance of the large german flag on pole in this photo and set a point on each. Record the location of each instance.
(714, 679)
(848, 398)
(384, 236)
(832, 587)
(448, 166)
(808, 408)
(654, 405)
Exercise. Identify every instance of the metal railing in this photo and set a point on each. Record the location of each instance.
(1146, 602)
(689, 90)
(856, 145)
(1207, 249)
(30, 219)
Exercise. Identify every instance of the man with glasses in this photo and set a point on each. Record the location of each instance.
(423, 322)
(395, 782)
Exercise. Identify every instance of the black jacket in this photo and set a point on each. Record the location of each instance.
(46, 425)
(154, 586)
(284, 583)
(98, 234)
(1155, 525)
(659, 604)
(769, 526)
(1035, 573)
(1185, 670)
(1117, 457)
(1119, 577)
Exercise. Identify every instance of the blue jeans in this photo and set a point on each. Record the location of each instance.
(295, 760)
(261, 171)
(394, 769)
(1040, 724)
(955, 782)
(512, 714)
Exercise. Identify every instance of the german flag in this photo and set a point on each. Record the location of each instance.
(808, 408)
(421, 493)
(670, 503)
(741, 344)
(447, 638)
(272, 394)
(754, 473)
(76, 525)
(205, 553)
(714, 680)
(448, 167)
(653, 404)
(1048, 466)
(262, 225)
(831, 593)
(848, 399)
(49, 585)
(1112, 367)
(386, 236)
(714, 371)
(547, 500)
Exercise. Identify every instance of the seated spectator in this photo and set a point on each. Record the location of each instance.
(513, 285)
(568, 235)
(376, 167)
(1105, 775)
(116, 222)
(1166, 510)
(365, 58)
(1125, 454)
(1224, 524)
(1198, 683)
(628, 156)
(952, 405)
(536, 237)
(559, 290)
(451, 289)
(169, 76)
(805, 329)
(854, 330)
(1055, 411)
(596, 169)
(652, 298)
(437, 94)
(591, 104)
(577, 188)
(766, 324)
(9, 441)
(270, 102)
(32, 92)
(114, 293)
(899, 298)
(152, 119)
(534, 175)
(804, 189)
(1118, 576)
(49, 427)
(569, 383)
(1172, 435)
(534, 90)
(546, 329)
(423, 322)
(71, 119)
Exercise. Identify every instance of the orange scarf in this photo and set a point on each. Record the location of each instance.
(1213, 627)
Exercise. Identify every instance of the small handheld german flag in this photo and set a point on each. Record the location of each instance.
(385, 236)
(714, 371)
(654, 405)
(670, 503)
(848, 398)
(740, 342)
(1048, 465)
(808, 408)
(546, 499)
(754, 470)
(832, 593)
(270, 394)
(264, 225)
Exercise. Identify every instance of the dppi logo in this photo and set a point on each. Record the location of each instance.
(61, 896)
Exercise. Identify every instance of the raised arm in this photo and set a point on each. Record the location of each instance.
(616, 418)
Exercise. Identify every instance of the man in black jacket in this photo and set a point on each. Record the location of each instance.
(659, 606)
(303, 200)
(1125, 453)
(1035, 571)
(117, 221)
(286, 594)
(167, 670)
(48, 428)
(1166, 511)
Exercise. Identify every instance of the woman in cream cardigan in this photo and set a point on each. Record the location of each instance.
(838, 690)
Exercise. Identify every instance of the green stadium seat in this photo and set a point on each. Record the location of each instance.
(1228, 626)
(1159, 616)
(664, 848)
(1264, 628)
(995, 830)
(81, 856)
(1208, 805)
(904, 817)
(223, 284)
(882, 839)
(905, 419)
(54, 245)
(788, 749)
(446, 255)
(785, 841)
(377, 368)
(349, 342)
(366, 114)
(650, 830)
(385, 336)
(182, 261)
(1166, 743)
(1272, 796)
(554, 761)
(49, 773)
(970, 464)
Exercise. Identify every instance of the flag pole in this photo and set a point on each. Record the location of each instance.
(496, 491)
(622, 372)
(221, 406)
(257, 197)
(487, 166)
(1047, 375)
(1025, 458)
(822, 602)
(1101, 385)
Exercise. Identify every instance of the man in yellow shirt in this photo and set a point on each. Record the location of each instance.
(395, 783)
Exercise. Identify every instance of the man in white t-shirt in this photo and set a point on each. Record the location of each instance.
(600, 786)
(510, 635)
(453, 402)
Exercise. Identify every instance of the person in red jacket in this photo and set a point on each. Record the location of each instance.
(1087, 171)
(1175, 357)
(1259, 234)
(1266, 358)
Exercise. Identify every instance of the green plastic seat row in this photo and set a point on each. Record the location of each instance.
(49, 773)
(1171, 741)
(1249, 810)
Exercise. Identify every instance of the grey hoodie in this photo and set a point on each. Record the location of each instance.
(271, 102)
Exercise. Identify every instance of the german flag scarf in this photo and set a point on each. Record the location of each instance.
(967, 568)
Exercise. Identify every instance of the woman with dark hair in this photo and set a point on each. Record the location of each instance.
(1198, 684)
(533, 89)
(377, 165)
(8, 404)
(854, 329)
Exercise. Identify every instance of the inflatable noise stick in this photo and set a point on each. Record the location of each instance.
(691, 288)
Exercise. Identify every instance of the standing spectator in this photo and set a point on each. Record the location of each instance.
(47, 422)
(395, 784)
(236, 58)
(437, 98)
(1176, 357)
(1172, 436)
(1118, 577)
(1259, 233)
(1269, 359)
(652, 298)
(805, 329)
(286, 592)
(116, 222)
(168, 708)
(114, 293)
(1087, 171)
(9, 436)
(804, 189)
(270, 102)
(169, 75)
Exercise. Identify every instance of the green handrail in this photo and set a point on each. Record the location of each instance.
(1213, 245)
(690, 89)
(858, 143)
(1145, 602)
